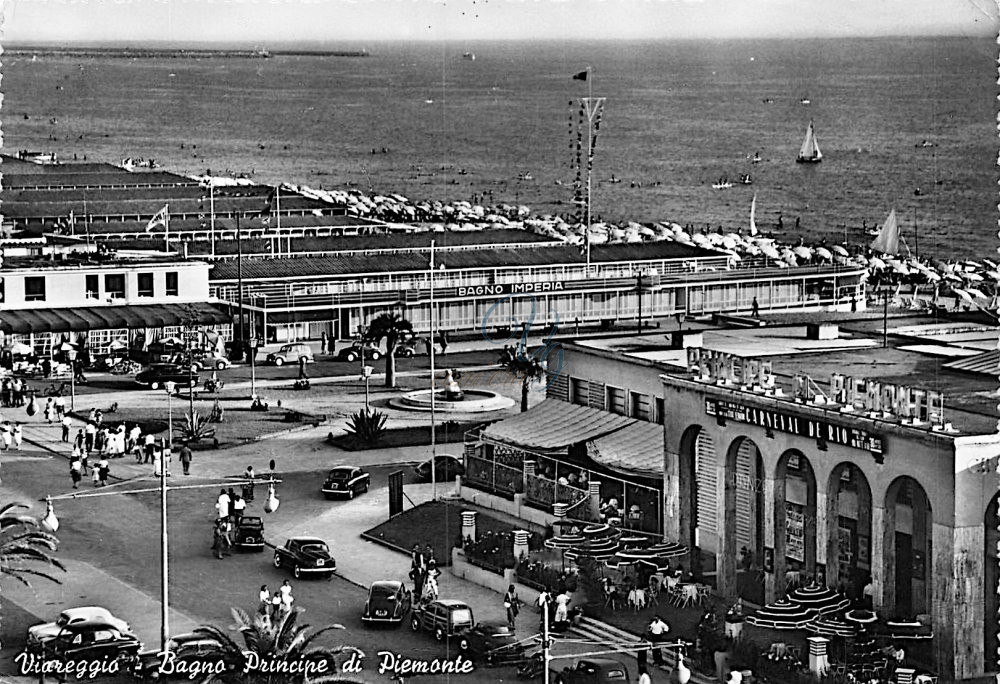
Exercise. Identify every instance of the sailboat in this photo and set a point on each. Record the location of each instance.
(753, 210)
(809, 153)
(887, 240)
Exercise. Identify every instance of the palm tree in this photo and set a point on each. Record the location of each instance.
(24, 544)
(282, 643)
(393, 328)
(527, 368)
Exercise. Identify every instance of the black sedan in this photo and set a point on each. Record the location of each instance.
(494, 643)
(305, 556)
(388, 602)
(446, 468)
(94, 640)
(346, 481)
(250, 534)
(156, 375)
(353, 353)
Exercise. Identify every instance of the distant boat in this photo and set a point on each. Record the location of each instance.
(926, 143)
(469, 56)
(745, 179)
(525, 176)
(810, 153)
(722, 184)
(805, 101)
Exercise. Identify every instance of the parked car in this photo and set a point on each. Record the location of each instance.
(446, 468)
(250, 534)
(353, 353)
(494, 644)
(156, 375)
(291, 353)
(71, 616)
(188, 648)
(446, 619)
(592, 671)
(200, 360)
(388, 602)
(346, 481)
(91, 640)
(305, 556)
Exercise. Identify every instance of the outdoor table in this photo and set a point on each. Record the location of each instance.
(734, 627)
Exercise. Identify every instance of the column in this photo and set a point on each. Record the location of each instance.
(770, 585)
(468, 525)
(559, 510)
(530, 470)
(595, 499)
(878, 557)
(818, 662)
(822, 528)
(520, 545)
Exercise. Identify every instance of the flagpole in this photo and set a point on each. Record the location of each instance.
(433, 389)
(211, 210)
(277, 209)
(166, 227)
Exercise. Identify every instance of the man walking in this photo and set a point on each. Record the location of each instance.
(150, 443)
(657, 632)
(66, 424)
(185, 458)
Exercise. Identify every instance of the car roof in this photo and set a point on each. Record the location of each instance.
(343, 468)
(90, 610)
(387, 584)
(86, 625)
(603, 661)
(314, 540)
(452, 603)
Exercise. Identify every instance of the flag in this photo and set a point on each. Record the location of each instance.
(580, 76)
(159, 219)
(887, 241)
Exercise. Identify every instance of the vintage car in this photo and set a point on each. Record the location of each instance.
(591, 671)
(188, 648)
(157, 375)
(91, 640)
(446, 619)
(49, 630)
(305, 556)
(354, 352)
(493, 643)
(388, 602)
(346, 481)
(446, 468)
(250, 534)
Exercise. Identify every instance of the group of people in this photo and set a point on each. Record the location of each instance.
(557, 604)
(424, 573)
(230, 508)
(13, 392)
(274, 607)
(11, 433)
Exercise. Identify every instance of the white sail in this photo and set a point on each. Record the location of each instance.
(887, 240)
(753, 210)
(810, 152)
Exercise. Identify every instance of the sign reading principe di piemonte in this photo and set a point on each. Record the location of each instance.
(795, 425)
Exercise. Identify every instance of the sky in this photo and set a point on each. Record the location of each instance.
(273, 22)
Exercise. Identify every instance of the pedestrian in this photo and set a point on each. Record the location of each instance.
(238, 505)
(657, 632)
(286, 597)
(276, 607)
(18, 436)
(50, 411)
(60, 403)
(6, 434)
(248, 475)
(263, 600)
(185, 458)
(417, 568)
(66, 424)
(85, 462)
(754, 308)
(643, 677)
(157, 462)
(232, 499)
(103, 469)
(219, 539)
(74, 472)
(90, 432)
(222, 505)
(133, 437)
(511, 604)
(150, 446)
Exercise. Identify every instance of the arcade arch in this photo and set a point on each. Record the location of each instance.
(794, 519)
(907, 548)
(849, 541)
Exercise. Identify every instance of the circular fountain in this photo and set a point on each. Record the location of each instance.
(452, 399)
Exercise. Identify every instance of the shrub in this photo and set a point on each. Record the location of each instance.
(367, 426)
(197, 427)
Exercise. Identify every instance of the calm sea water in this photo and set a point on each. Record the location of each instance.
(678, 116)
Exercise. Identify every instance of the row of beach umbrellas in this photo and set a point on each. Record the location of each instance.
(605, 543)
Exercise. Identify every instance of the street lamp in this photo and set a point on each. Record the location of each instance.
(254, 344)
(366, 374)
(71, 357)
(170, 386)
(164, 549)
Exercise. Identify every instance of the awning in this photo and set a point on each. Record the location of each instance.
(555, 424)
(636, 449)
(83, 318)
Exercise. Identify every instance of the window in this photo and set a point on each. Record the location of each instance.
(639, 405)
(145, 284)
(580, 391)
(616, 400)
(172, 284)
(114, 285)
(34, 289)
(659, 417)
(93, 287)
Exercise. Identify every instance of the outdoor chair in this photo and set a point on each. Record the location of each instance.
(704, 594)
(689, 595)
(610, 595)
(637, 598)
(653, 591)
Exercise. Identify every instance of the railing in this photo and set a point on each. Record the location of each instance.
(492, 477)
(542, 492)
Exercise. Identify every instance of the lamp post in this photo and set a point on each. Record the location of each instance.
(71, 356)
(254, 343)
(366, 374)
(164, 551)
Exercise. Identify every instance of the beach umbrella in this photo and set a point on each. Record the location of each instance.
(907, 630)
(770, 251)
(637, 554)
(824, 253)
(860, 617)
(782, 614)
(565, 541)
(669, 549)
(819, 598)
(840, 250)
(18, 348)
(875, 262)
(963, 294)
(634, 542)
(598, 549)
(973, 277)
(619, 562)
(831, 627)
(979, 294)
(802, 252)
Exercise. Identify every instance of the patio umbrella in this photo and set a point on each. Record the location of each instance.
(600, 549)
(821, 599)
(831, 627)
(619, 562)
(18, 348)
(861, 617)
(601, 531)
(669, 549)
(638, 554)
(907, 630)
(634, 542)
(782, 614)
(565, 541)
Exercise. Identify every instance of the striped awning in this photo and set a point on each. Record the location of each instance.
(555, 424)
(635, 449)
(84, 318)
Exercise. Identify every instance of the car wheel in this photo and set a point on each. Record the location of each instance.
(415, 623)
(278, 361)
(463, 645)
(277, 561)
(154, 385)
(351, 357)
(439, 634)
(365, 490)
(376, 356)
(490, 660)
(220, 365)
(350, 493)
(297, 571)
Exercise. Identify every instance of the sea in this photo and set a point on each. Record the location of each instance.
(427, 121)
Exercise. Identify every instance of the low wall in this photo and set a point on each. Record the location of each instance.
(497, 503)
(463, 569)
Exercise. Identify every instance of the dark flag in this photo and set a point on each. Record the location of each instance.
(581, 76)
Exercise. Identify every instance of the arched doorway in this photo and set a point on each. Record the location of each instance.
(849, 516)
(794, 519)
(697, 507)
(991, 573)
(907, 545)
(744, 521)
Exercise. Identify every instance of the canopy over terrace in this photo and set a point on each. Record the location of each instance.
(85, 318)
(554, 425)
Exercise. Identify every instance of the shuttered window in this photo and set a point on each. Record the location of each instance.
(616, 400)
(639, 405)
(580, 391)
